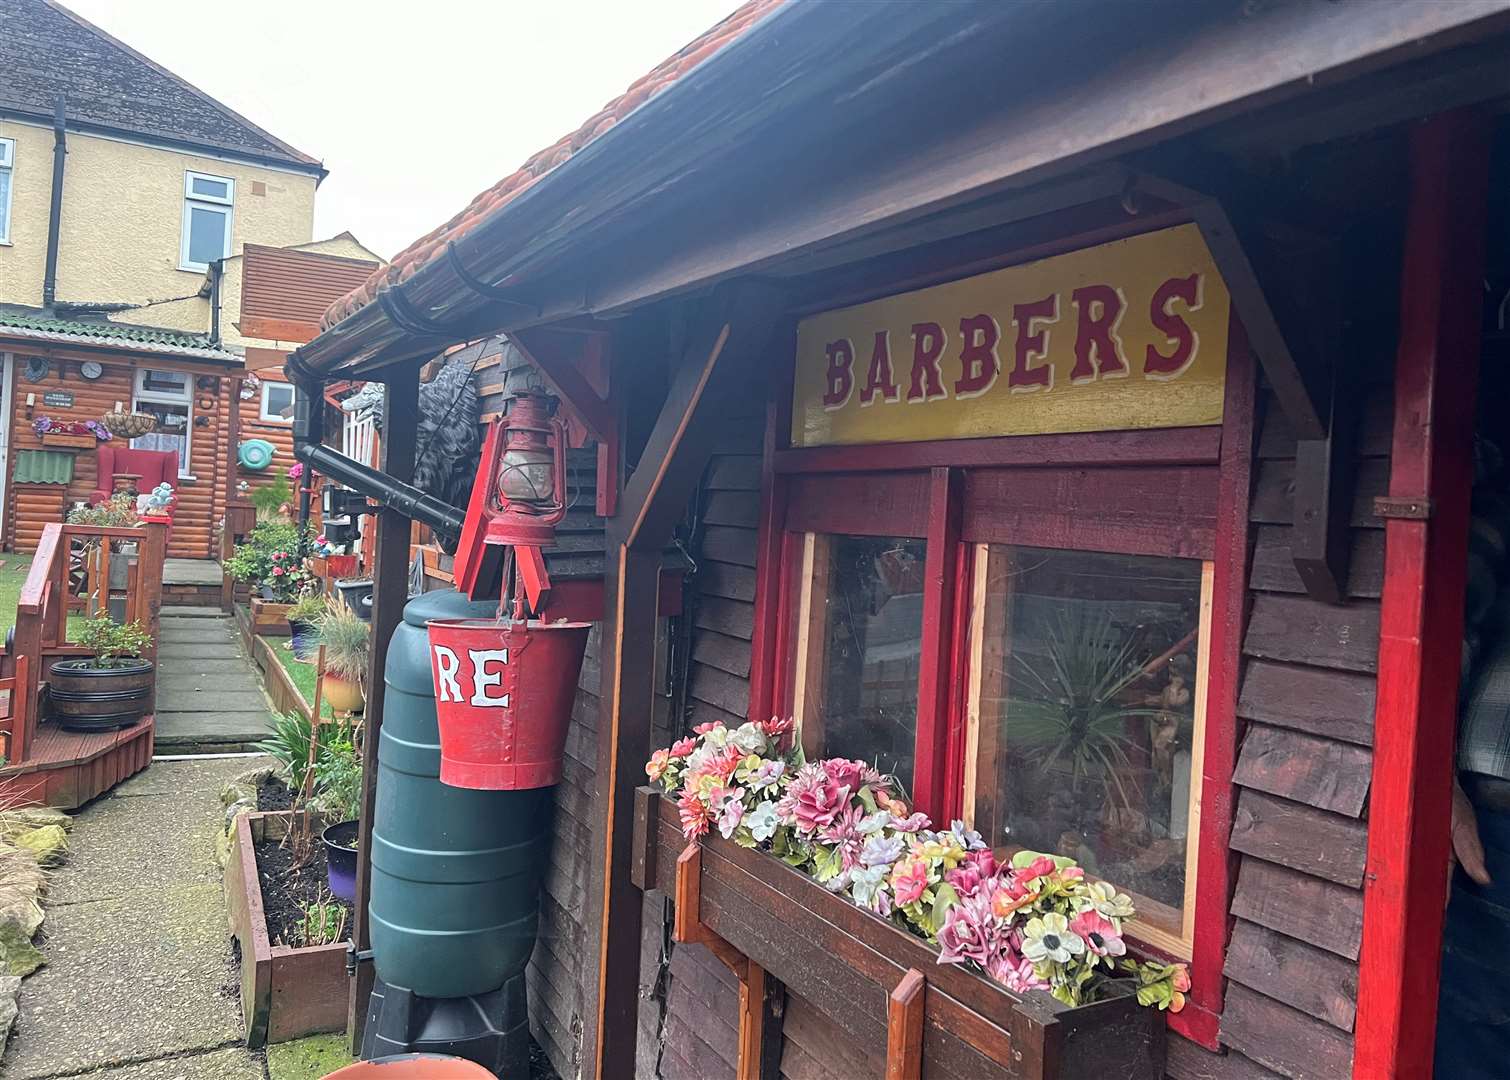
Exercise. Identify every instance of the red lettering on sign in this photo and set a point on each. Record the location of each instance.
(928, 340)
(840, 375)
(1098, 347)
(878, 377)
(1181, 334)
(979, 365)
(1032, 344)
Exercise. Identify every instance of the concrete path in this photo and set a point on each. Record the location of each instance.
(191, 572)
(208, 696)
(140, 982)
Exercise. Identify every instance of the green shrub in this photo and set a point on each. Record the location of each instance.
(271, 497)
(338, 778)
(270, 558)
(110, 640)
(347, 639)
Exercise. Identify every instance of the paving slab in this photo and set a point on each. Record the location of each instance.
(192, 572)
(223, 729)
(189, 701)
(202, 665)
(191, 650)
(191, 611)
(140, 981)
(217, 682)
(190, 631)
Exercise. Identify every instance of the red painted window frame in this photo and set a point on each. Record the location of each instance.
(1227, 451)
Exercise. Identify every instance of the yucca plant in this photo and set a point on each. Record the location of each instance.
(1067, 710)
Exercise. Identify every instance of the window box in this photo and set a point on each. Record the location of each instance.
(846, 962)
(70, 442)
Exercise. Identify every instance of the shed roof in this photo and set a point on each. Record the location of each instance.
(34, 324)
(47, 51)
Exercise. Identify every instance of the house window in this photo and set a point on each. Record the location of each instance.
(7, 165)
(1084, 708)
(167, 395)
(859, 633)
(208, 201)
(278, 402)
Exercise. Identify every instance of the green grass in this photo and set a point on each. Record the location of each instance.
(308, 1058)
(12, 577)
(300, 674)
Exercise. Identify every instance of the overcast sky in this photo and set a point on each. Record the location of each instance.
(413, 107)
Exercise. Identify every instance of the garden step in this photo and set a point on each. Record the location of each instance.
(189, 650)
(177, 664)
(187, 701)
(214, 684)
(191, 611)
(228, 729)
(193, 630)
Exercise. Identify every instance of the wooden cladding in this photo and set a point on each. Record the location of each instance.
(294, 286)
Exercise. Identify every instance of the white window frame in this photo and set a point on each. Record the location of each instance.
(197, 200)
(163, 397)
(264, 414)
(8, 166)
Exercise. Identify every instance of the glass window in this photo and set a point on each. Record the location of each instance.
(7, 162)
(278, 402)
(167, 396)
(206, 221)
(859, 613)
(1083, 693)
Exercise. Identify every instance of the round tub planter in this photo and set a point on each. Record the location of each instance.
(87, 695)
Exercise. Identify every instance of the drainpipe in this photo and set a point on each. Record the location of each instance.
(55, 209)
(217, 269)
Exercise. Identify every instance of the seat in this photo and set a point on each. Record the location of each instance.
(153, 466)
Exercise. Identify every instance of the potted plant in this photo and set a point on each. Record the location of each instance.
(269, 561)
(301, 625)
(110, 690)
(338, 796)
(348, 646)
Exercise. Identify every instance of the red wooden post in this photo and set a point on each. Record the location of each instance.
(1421, 609)
(940, 564)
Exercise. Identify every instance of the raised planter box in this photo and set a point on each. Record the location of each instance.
(286, 993)
(846, 962)
(64, 441)
(270, 619)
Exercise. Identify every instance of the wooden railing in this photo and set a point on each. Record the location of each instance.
(41, 633)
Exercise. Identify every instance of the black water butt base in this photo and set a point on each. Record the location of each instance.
(491, 1029)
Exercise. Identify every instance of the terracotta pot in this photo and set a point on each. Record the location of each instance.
(343, 696)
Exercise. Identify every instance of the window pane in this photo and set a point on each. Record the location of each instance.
(218, 189)
(858, 683)
(4, 203)
(206, 234)
(277, 401)
(172, 431)
(174, 383)
(1086, 689)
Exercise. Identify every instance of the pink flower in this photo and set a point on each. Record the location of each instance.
(655, 768)
(683, 747)
(1010, 895)
(846, 773)
(1181, 980)
(1100, 934)
(983, 860)
(1016, 973)
(813, 800)
(277, 556)
(277, 571)
(908, 880)
(777, 726)
(693, 814)
(911, 824)
(969, 933)
(1039, 867)
(844, 833)
(966, 879)
(703, 729)
(296, 470)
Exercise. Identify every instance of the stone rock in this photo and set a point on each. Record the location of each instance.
(21, 884)
(10, 992)
(48, 844)
(18, 956)
(243, 788)
(32, 817)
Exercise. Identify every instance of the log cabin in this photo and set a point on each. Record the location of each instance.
(861, 327)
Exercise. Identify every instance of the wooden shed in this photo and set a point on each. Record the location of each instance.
(943, 336)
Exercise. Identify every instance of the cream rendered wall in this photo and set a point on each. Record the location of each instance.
(230, 290)
(123, 219)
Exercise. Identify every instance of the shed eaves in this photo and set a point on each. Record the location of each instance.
(47, 51)
(432, 245)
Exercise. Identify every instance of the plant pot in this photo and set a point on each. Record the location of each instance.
(342, 565)
(87, 695)
(270, 619)
(412, 1067)
(319, 566)
(342, 696)
(503, 699)
(302, 636)
(340, 842)
(354, 591)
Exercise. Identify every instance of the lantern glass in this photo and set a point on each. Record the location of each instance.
(527, 475)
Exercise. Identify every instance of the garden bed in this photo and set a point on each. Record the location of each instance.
(287, 890)
(286, 992)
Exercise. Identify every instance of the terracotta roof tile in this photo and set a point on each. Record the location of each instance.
(432, 244)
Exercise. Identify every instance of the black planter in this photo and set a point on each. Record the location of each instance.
(86, 695)
(302, 639)
(340, 842)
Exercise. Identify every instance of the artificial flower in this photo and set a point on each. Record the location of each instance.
(682, 747)
(969, 933)
(761, 821)
(693, 815)
(731, 813)
(767, 775)
(882, 851)
(1102, 936)
(777, 726)
(813, 799)
(1048, 937)
(909, 879)
(655, 768)
(867, 884)
(843, 833)
(1107, 901)
(296, 470)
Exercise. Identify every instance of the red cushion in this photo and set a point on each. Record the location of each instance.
(153, 466)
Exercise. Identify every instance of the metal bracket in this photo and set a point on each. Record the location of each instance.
(1403, 509)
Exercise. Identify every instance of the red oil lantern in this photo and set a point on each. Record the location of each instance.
(528, 496)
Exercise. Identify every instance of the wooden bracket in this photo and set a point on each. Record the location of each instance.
(572, 363)
(688, 926)
(1418, 509)
(904, 1027)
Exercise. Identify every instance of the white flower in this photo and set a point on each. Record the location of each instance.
(1050, 938)
(761, 821)
(748, 737)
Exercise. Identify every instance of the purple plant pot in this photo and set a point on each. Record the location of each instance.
(340, 842)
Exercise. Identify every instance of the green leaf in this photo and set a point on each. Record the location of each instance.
(944, 898)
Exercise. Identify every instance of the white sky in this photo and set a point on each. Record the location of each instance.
(413, 107)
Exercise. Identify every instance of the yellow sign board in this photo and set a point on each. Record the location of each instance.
(1130, 334)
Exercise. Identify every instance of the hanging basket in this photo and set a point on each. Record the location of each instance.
(503, 698)
(129, 425)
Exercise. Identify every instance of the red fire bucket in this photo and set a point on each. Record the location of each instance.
(503, 696)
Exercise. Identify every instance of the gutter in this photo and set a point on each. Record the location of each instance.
(55, 207)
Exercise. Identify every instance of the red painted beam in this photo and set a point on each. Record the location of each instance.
(1421, 609)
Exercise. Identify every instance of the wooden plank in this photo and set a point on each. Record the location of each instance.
(728, 654)
(1273, 568)
(728, 580)
(734, 472)
(1301, 630)
(1336, 704)
(730, 545)
(1375, 426)
(1326, 845)
(1319, 772)
(1436, 384)
(729, 617)
(1316, 982)
(1187, 1061)
(751, 1022)
(728, 692)
(737, 508)
(904, 1027)
(1327, 915)
(1285, 1039)
(1274, 493)
(935, 689)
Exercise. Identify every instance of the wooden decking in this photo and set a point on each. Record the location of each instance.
(66, 769)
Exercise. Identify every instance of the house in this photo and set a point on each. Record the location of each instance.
(821, 247)
(122, 188)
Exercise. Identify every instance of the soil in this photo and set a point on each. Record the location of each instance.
(286, 889)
